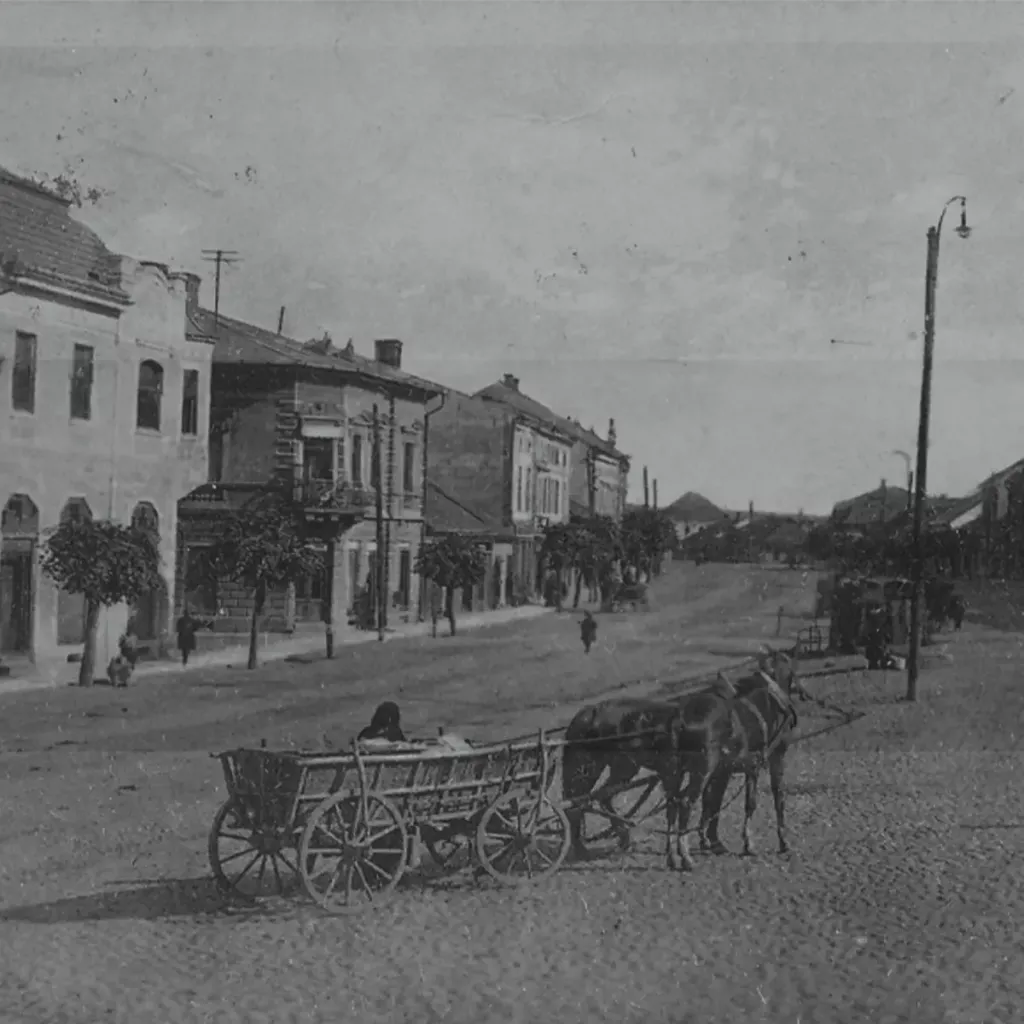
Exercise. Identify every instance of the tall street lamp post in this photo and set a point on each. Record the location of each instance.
(921, 476)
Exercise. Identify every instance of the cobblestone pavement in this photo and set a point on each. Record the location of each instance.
(900, 902)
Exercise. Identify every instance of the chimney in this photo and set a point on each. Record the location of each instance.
(192, 282)
(388, 351)
(611, 432)
(511, 382)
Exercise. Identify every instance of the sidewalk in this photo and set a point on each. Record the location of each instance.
(271, 648)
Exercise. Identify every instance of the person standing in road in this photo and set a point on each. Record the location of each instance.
(187, 627)
(588, 631)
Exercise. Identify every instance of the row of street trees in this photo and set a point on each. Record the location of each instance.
(265, 545)
(591, 546)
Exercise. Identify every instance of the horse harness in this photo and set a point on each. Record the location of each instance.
(782, 702)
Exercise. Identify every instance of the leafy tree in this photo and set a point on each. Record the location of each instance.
(451, 561)
(107, 564)
(647, 533)
(264, 546)
(590, 545)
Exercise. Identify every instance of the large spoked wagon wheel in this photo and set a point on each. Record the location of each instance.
(522, 837)
(250, 861)
(352, 856)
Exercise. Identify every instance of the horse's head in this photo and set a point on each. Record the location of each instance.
(778, 665)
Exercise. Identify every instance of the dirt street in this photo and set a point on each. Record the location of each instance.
(901, 900)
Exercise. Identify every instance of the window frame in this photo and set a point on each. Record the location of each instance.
(409, 468)
(82, 378)
(19, 403)
(140, 391)
(189, 373)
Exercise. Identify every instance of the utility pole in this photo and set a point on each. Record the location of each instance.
(390, 506)
(379, 485)
(280, 321)
(647, 503)
(921, 477)
(219, 257)
(329, 598)
(655, 495)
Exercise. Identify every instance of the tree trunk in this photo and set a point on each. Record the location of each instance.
(88, 666)
(449, 607)
(254, 635)
(579, 587)
(259, 596)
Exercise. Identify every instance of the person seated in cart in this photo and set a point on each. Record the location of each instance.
(385, 725)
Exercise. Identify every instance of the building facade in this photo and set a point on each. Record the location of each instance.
(103, 412)
(307, 420)
(598, 473)
(513, 473)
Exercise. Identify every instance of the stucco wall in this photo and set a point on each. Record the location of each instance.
(106, 459)
(468, 454)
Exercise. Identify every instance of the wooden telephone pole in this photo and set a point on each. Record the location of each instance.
(219, 257)
(380, 578)
(647, 502)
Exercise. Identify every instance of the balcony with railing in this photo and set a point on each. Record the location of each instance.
(332, 497)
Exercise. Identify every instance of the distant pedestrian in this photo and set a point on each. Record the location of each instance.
(187, 627)
(588, 631)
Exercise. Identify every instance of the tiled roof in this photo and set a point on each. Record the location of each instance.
(40, 239)
(498, 392)
(240, 343)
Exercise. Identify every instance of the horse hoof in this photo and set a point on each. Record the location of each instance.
(718, 849)
(748, 853)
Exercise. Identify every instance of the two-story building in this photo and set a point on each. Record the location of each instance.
(598, 473)
(331, 429)
(103, 413)
(512, 471)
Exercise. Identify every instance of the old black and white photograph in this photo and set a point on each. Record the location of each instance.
(504, 519)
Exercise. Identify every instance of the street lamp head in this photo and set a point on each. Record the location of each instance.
(963, 230)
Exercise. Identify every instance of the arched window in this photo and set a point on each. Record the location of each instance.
(151, 390)
(145, 519)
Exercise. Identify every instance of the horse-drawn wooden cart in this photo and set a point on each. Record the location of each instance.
(344, 824)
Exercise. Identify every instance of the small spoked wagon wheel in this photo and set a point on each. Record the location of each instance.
(249, 860)
(351, 856)
(522, 837)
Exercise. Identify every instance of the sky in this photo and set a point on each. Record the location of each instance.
(657, 212)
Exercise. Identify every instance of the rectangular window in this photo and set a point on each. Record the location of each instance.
(375, 465)
(519, 489)
(404, 577)
(409, 469)
(81, 383)
(357, 460)
(558, 502)
(190, 403)
(23, 375)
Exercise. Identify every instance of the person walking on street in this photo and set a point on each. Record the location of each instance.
(187, 627)
(588, 631)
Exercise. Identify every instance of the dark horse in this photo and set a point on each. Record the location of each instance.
(704, 738)
(763, 720)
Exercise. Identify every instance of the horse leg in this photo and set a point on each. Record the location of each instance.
(685, 799)
(714, 794)
(749, 807)
(580, 773)
(776, 771)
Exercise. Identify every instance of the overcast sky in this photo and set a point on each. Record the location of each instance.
(661, 213)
